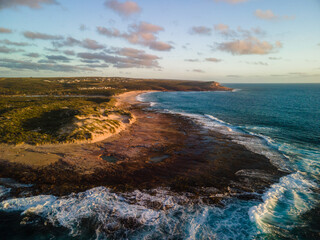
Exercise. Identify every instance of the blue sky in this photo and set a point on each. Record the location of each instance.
(221, 40)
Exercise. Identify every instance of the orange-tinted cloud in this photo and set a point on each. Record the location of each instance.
(269, 15)
(248, 46)
(5, 30)
(124, 58)
(42, 36)
(142, 34)
(124, 9)
(27, 3)
(213, 60)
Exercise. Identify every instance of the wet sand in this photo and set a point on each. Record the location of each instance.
(157, 150)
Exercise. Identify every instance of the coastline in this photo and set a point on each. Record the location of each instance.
(157, 150)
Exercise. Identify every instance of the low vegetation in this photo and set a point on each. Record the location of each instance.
(52, 120)
(59, 110)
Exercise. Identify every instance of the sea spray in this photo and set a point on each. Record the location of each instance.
(278, 121)
(152, 214)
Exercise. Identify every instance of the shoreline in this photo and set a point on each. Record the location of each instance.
(157, 150)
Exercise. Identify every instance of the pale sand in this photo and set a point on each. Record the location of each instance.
(44, 155)
(129, 98)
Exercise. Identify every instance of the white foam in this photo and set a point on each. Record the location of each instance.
(4, 191)
(294, 193)
(24, 204)
(253, 142)
(156, 212)
(142, 97)
(13, 184)
(236, 90)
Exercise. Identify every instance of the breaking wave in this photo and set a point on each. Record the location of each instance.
(157, 214)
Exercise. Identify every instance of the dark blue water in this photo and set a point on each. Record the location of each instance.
(285, 123)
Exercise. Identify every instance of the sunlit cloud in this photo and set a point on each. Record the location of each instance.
(213, 60)
(86, 43)
(124, 9)
(142, 34)
(224, 30)
(42, 36)
(26, 3)
(269, 15)
(19, 44)
(249, 46)
(123, 58)
(5, 30)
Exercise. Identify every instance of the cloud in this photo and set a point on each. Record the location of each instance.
(83, 27)
(248, 46)
(258, 63)
(69, 52)
(198, 71)
(123, 58)
(5, 30)
(224, 30)
(8, 42)
(201, 30)
(28, 65)
(42, 36)
(258, 31)
(160, 46)
(33, 55)
(213, 60)
(86, 43)
(27, 3)
(58, 58)
(123, 9)
(96, 65)
(4, 49)
(275, 58)
(191, 60)
(91, 44)
(142, 34)
(232, 1)
(269, 15)
(221, 27)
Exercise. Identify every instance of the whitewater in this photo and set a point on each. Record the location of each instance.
(277, 121)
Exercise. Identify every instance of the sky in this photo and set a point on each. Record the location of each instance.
(229, 41)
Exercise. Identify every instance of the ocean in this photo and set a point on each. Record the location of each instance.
(285, 122)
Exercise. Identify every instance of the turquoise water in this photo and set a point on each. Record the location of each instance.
(285, 122)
